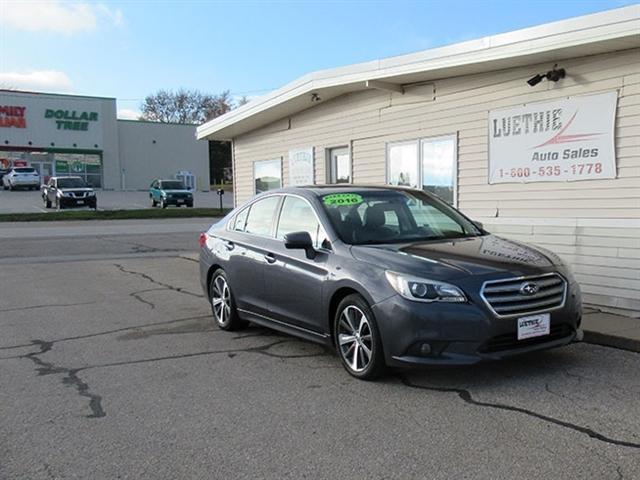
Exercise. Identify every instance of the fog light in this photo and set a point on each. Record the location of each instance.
(425, 349)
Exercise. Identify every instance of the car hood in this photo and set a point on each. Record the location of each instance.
(442, 260)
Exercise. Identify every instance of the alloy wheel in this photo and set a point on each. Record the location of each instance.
(221, 300)
(355, 338)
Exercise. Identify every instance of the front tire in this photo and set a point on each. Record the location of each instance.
(47, 202)
(163, 203)
(153, 202)
(223, 304)
(357, 339)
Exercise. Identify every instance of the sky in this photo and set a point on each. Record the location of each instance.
(130, 49)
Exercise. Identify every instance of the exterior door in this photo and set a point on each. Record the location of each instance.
(293, 282)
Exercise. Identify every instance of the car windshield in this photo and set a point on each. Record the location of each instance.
(365, 217)
(24, 170)
(71, 183)
(172, 185)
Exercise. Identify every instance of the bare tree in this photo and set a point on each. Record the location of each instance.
(185, 106)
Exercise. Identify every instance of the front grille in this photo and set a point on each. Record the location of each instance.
(509, 341)
(506, 298)
(80, 194)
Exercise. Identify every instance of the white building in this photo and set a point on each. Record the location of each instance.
(556, 163)
(75, 135)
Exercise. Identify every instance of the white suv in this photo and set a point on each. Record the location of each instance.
(21, 177)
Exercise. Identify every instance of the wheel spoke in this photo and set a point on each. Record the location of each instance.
(346, 326)
(217, 301)
(366, 351)
(345, 339)
(354, 363)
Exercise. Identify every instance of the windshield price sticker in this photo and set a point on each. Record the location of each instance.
(338, 199)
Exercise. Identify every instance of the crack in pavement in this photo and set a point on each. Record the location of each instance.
(465, 395)
(71, 377)
(157, 282)
(50, 305)
(137, 296)
(105, 332)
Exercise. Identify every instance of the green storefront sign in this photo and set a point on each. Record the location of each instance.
(71, 119)
(61, 167)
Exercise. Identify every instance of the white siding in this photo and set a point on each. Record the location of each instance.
(573, 219)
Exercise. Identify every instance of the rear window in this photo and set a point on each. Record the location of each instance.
(24, 170)
(172, 185)
(261, 214)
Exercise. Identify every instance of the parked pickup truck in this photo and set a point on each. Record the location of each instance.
(63, 192)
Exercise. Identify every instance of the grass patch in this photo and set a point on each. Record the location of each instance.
(113, 214)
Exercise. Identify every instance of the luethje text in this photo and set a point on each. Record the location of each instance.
(71, 119)
(535, 122)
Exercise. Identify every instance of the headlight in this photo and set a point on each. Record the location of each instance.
(91, 194)
(424, 290)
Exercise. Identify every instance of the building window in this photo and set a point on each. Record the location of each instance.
(402, 164)
(339, 165)
(267, 175)
(439, 156)
(428, 163)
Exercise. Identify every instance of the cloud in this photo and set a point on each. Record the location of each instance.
(42, 80)
(128, 114)
(55, 16)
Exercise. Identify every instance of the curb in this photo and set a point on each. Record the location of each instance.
(606, 340)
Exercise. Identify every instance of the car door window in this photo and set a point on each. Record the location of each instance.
(261, 216)
(241, 220)
(298, 216)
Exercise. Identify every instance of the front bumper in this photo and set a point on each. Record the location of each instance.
(72, 202)
(463, 334)
(179, 201)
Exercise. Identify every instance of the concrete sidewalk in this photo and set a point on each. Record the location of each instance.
(611, 330)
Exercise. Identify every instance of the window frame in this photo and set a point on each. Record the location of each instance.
(419, 142)
(332, 171)
(278, 159)
(274, 219)
(281, 207)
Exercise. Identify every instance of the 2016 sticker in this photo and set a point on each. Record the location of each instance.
(338, 199)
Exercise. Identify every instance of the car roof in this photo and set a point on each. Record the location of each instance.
(320, 190)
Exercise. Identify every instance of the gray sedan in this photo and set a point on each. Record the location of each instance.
(386, 276)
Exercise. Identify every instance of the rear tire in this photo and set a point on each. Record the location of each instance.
(357, 339)
(223, 304)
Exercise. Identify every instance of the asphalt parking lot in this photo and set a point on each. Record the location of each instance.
(110, 367)
(29, 201)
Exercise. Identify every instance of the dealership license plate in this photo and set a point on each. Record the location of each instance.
(180, 201)
(533, 326)
(80, 202)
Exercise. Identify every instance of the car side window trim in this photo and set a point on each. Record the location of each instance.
(231, 224)
(315, 214)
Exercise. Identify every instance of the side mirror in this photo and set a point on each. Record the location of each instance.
(479, 225)
(300, 240)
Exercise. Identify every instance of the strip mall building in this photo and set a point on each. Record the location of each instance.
(555, 163)
(74, 135)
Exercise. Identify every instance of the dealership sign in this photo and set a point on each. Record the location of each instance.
(563, 140)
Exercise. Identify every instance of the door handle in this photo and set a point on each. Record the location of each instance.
(229, 245)
(270, 258)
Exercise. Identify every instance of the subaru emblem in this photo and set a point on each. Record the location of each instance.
(529, 288)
